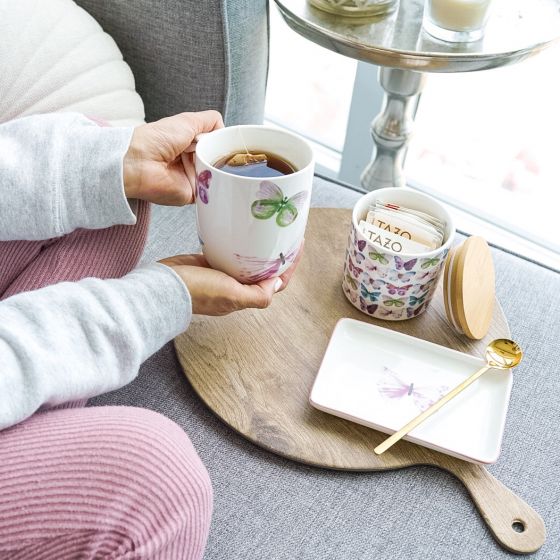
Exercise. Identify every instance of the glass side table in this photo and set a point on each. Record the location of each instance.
(397, 43)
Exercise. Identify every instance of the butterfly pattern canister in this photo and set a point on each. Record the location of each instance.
(387, 285)
(252, 227)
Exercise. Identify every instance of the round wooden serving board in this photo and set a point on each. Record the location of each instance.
(255, 370)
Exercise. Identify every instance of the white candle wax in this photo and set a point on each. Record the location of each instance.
(459, 15)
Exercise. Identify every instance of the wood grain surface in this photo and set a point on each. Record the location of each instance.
(255, 370)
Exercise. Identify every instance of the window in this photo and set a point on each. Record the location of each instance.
(309, 90)
(487, 143)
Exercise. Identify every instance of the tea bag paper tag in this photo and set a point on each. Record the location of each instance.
(387, 240)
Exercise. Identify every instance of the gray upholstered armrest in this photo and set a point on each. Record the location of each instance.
(189, 55)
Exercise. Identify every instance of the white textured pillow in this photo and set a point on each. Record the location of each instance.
(55, 57)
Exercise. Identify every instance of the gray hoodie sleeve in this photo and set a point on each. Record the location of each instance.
(59, 172)
(75, 340)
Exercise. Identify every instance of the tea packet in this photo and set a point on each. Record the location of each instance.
(397, 226)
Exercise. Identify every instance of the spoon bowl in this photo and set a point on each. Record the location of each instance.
(503, 353)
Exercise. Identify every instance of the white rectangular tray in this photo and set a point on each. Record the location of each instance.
(382, 379)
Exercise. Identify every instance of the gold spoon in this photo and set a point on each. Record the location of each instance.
(500, 354)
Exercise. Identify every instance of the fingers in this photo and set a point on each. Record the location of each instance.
(182, 129)
(186, 260)
(188, 166)
(258, 295)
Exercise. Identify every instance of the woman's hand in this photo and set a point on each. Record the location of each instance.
(158, 166)
(215, 293)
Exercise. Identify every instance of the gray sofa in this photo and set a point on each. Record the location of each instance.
(189, 55)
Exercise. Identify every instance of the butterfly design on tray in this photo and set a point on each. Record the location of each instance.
(393, 302)
(369, 308)
(255, 269)
(355, 270)
(359, 257)
(271, 201)
(392, 386)
(379, 257)
(351, 282)
(398, 290)
(413, 300)
(406, 265)
(428, 263)
(366, 294)
(394, 313)
(203, 184)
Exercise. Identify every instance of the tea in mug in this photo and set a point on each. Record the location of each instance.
(261, 165)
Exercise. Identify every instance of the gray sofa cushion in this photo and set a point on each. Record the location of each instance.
(189, 55)
(269, 507)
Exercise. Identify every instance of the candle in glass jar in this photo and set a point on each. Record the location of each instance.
(459, 15)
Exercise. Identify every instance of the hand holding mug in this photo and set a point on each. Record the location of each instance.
(158, 166)
(215, 293)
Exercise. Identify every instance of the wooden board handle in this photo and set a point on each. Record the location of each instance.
(514, 523)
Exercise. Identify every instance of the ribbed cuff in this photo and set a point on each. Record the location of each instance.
(93, 194)
(174, 306)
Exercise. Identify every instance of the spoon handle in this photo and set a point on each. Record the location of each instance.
(390, 441)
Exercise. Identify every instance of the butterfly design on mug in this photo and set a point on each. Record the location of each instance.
(424, 275)
(413, 312)
(355, 270)
(413, 300)
(380, 257)
(351, 281)
(424, 288)
(401, 276)
(393, 302)
(366, 294)
(271, 201)
(256, 269)
(398, 290)
(408, 265)
(377, 270)
(391, 386)
(359, 257)
(369, 308)
(203, 184)
(351, 295)
(375, 283)
(394, 313)
(428, 263)
(361, 245)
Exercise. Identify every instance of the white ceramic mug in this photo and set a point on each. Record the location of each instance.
(249, 227)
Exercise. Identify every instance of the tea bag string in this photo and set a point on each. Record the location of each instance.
(243, 140)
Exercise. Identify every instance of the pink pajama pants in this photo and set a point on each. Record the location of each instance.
(104, 482)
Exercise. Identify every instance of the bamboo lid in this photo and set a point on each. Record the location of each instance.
(469, 287)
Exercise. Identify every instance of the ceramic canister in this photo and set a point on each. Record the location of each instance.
(249, 227)
(386, 284)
